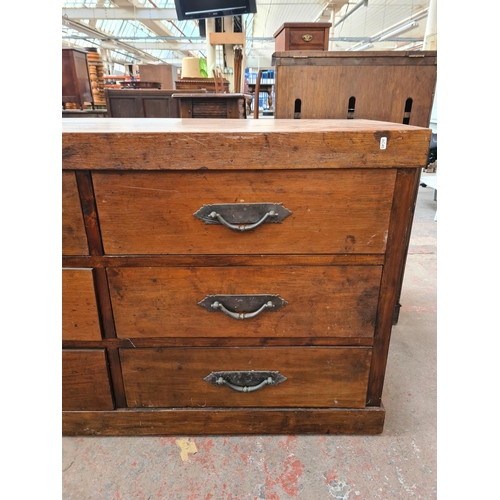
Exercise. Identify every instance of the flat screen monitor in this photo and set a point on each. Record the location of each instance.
(203, 9)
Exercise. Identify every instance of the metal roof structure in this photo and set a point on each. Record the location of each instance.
(148, 31)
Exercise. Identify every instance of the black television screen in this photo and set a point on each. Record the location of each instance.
(203, 9)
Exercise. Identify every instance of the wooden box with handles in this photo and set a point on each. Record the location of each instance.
(232, 279)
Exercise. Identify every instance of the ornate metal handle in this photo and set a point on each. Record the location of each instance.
(218, 305)
(307, 37)
(238, 388)
(234, 227)
(245, 381)
(242, 216)
(242, 306)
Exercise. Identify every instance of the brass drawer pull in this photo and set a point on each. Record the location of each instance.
(242, 306)
(242, 216)
(245, 381)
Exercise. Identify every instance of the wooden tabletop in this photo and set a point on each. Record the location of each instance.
(214, 125)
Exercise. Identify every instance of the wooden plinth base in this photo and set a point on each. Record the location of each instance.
(223, 422)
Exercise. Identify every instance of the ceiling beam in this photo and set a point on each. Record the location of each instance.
(121, 13)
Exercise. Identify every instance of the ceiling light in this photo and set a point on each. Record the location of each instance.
(397, 31)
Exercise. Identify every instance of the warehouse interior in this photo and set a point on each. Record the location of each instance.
(229, 67)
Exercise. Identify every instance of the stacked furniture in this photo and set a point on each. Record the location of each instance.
(96, 72)
(232, 277)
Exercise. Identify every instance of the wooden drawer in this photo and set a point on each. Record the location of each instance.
(85, 381)
(321, 301)
(333, 211)
(80, 320)
(74, 238)
(302, 36)
(315, 377)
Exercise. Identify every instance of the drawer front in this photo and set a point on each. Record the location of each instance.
(85, 381)
(315, 377)
(320, 301)
(307, 39)
(80, 320)
(74, 238)
(332, 211)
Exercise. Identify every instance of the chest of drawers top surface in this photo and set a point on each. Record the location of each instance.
(169, 144)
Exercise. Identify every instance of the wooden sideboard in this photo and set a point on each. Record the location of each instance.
(141, 103)
(231, 277)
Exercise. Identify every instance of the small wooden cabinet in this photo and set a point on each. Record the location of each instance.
(234, 277)
(75, 78)
(302, 36)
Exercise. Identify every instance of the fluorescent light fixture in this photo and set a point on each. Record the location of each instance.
(363, 47)
(397, 31)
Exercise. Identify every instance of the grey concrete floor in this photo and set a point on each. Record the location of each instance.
(401, 463)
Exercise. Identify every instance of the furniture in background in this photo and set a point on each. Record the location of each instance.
(96, 74)
(302, 36)
(232, 278)
(376, 85)
(195, 84)
(141, 103)
(165, 74)
(76, 88)
(196, 105)
(255, 89)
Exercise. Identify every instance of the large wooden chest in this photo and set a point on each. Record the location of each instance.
(231, 277)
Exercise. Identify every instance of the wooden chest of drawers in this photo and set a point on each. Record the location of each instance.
(231, 279)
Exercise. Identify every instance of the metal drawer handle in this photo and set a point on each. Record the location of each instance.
(248, 227)
(218, 305)
(242, 306)
(238, 388)
(246, 381)
(242, 216)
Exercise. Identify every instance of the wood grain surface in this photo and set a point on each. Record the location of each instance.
(74, 240)
(337, 301)
(333, 211)
(176, 144)
(316, 377)
(80, 318)
(215, 421)
(85, 381)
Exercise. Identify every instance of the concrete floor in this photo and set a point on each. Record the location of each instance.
(400, 463)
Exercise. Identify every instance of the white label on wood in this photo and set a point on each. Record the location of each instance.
(383, 142)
